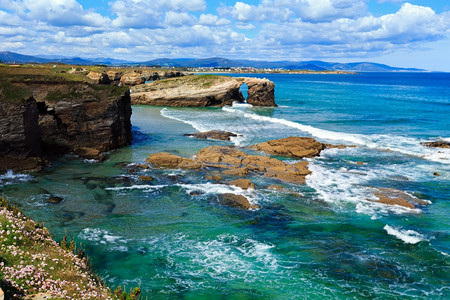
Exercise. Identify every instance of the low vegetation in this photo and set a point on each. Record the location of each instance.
(202, 81)
(32, 263)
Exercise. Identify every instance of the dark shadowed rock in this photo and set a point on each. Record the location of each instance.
(213, 134)
(436, 144)
(54, 199)
(146, 178)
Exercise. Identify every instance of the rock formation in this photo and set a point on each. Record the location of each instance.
(60, 117)
(20, 143)
(203, 91)
(261, 92)
(231, 161)
(233, 200)
(437, 144)
(213, 134)
(390, 196)
(132, 78)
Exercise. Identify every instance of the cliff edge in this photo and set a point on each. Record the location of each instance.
(42, 114)
(203, 91)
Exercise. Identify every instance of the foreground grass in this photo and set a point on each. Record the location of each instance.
(32, 263)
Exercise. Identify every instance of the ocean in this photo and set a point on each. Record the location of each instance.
(323, 239)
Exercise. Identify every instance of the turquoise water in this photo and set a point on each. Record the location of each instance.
(326, 241)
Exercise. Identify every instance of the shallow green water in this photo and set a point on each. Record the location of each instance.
(328, 242)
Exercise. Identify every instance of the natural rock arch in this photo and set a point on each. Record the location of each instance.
(261, 92)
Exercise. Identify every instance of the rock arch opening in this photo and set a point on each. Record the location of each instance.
(243, 89)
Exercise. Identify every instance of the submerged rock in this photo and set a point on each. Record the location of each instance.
(55, 199)
(213, 134)
(89, 153)
(238, 201)
(146, 178)
(391, 196)
(437, 144)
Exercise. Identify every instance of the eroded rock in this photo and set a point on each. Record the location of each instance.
(391, 196)
(243, 184)
(437, 144)
(238, 201)
(234, 162)
(203, 91)
(213, 134)
(296, 147)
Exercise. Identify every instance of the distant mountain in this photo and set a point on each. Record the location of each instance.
(214, 62)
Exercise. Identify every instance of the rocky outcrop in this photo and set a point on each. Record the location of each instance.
(238, 201)
(261, 92)
(140, 76)
(74, 116)
(390, 196)
(203, 91)
(132, 78)
(295, 147)
(243, 184)
(234, 162)
(437, 144)
(213, 134)
(20, 143)
(62, 117)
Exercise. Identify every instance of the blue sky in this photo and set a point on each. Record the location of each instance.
(413, 33)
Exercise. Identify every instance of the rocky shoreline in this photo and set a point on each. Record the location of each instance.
(220, 161)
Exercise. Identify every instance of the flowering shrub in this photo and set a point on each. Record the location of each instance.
(31, 262)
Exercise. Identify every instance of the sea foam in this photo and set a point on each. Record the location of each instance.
(407, 236)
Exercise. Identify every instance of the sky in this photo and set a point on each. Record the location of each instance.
(414, 33)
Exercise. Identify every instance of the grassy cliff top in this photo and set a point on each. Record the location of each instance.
(200, 81)
(15, 81)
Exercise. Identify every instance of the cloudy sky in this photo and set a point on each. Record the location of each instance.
(414, 33)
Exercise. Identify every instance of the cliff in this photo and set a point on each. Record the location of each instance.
(203, 91)
(45, 114)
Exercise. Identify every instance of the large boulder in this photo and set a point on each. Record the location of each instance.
(238, 201)
(296, 147)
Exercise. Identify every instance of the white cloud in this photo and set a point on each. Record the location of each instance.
(150, 13)
(244, 12)
(307, 10)
(409, 27)
(57, 13)
(11, 45)
(178, 19)
(212, 20)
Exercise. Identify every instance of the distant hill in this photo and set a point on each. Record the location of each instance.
(214, 62)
